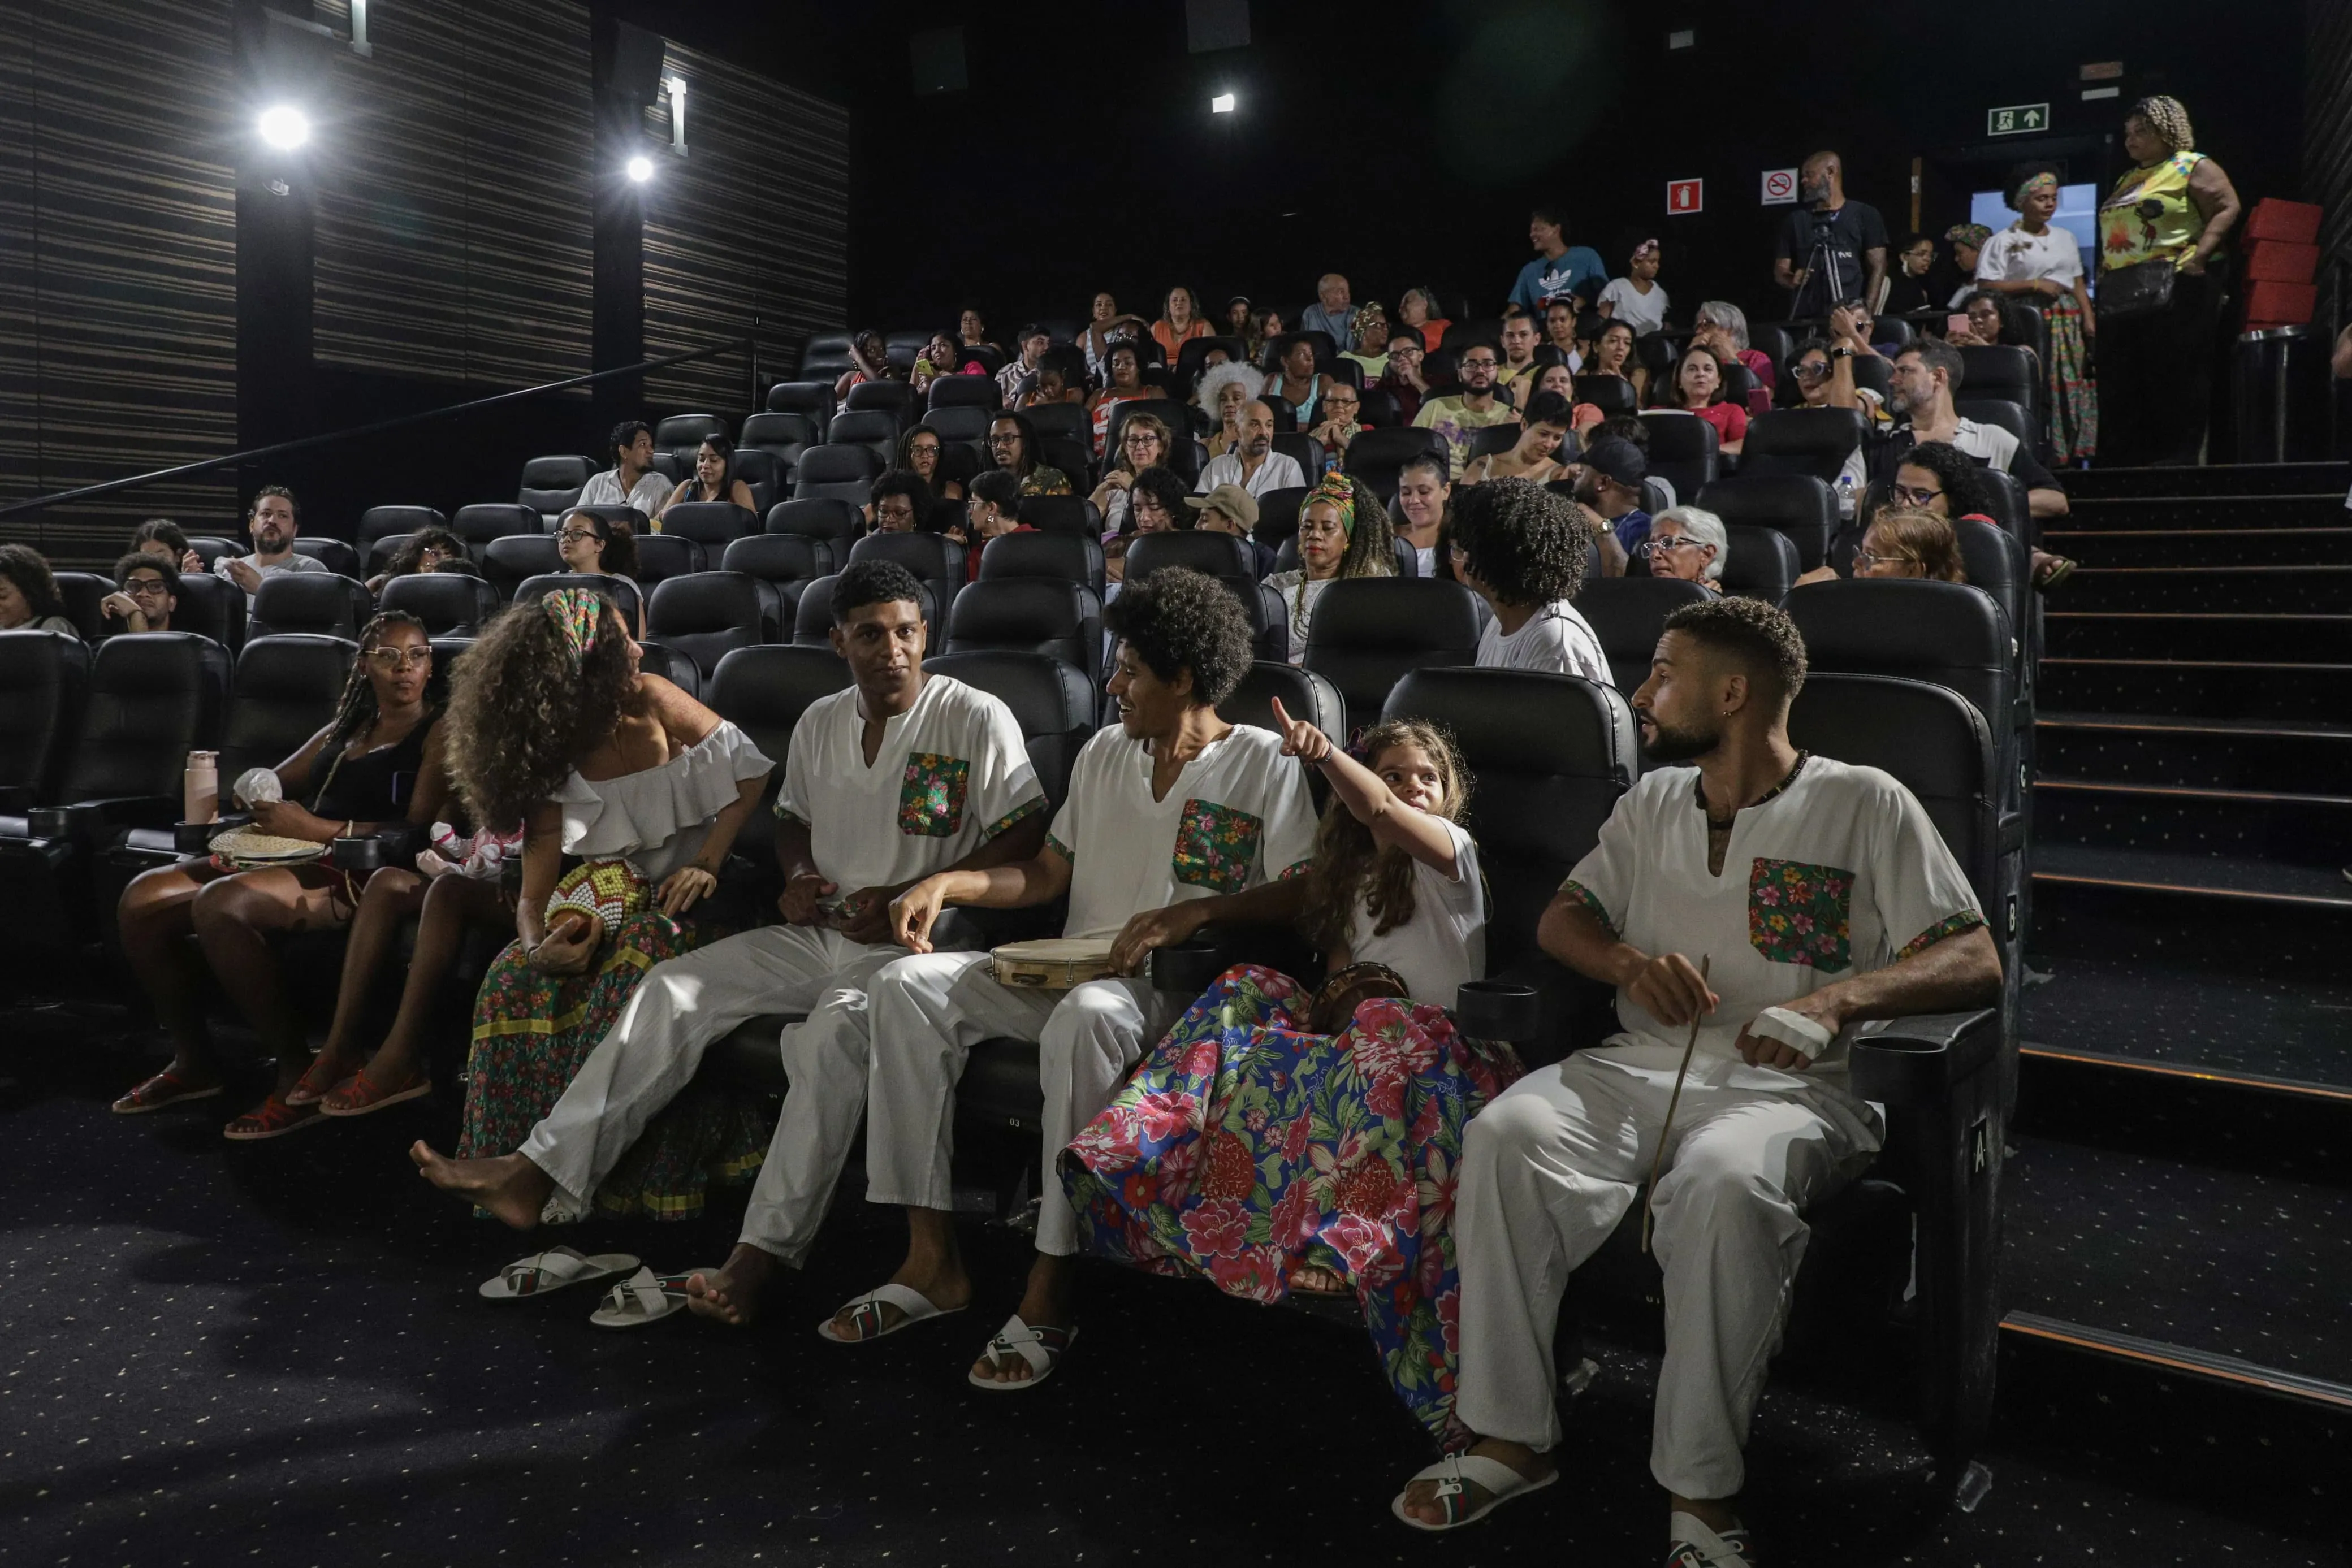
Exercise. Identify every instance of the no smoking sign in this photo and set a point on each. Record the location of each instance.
(1780, 187)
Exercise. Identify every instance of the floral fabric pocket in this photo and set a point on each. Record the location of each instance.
(930, 801)
(1215, 846)
(1798, 913)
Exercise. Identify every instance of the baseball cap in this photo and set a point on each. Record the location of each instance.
(1231, 500)
(1619, 459)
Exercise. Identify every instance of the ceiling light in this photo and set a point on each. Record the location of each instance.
(1221, 104)
(641, 168)
(285, 127)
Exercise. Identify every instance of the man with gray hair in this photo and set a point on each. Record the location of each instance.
(1330, 312)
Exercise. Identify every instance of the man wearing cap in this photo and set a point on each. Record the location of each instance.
(1612, 485)
(1253, 463)
(1474, 407)
(1230, 509)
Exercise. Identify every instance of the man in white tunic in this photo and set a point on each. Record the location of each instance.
(1820, 896)
(900, 776)
(1175, 818)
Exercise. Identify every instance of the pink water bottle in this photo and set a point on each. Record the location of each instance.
(200, 787)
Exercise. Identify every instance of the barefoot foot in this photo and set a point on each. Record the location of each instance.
(731, 1294)
(509, 1189)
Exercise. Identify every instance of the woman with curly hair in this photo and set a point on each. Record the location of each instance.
(1522, 549)
(553, 726)
(1343, 532)
(1331, 1116)
(1220, 394)
(29, 600)
(423, 551)
(591, 544)
(379, 761)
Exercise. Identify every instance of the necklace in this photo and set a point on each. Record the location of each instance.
(1724, 824)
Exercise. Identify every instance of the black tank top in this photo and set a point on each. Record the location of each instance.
(374, 788)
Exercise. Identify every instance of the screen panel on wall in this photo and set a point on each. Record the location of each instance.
(751, 222)
(453, 230)
(118, 287)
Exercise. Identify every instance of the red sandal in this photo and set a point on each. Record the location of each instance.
(310, 1092)
(273, 1118)
(358, 1096)
(166, 1088)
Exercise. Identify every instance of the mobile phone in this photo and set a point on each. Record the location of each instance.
(1954, 324)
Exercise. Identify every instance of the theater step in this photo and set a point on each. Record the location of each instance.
(2192, 512)
(2307, 829)
(2264, 546)
(2314, 890)
(2290, 755)
(2290, 639)
(2216, 687)
(2294, 588)
(2116, 1020)
(2217, 479)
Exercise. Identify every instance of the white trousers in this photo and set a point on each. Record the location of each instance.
(929, 1010)
(678, 1012)
(1550, 1167)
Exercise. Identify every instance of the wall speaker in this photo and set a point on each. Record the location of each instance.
(636, 73)
(1216, 24)
(936, 59)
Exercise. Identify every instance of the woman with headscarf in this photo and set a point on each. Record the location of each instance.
(2036, 265)
(1966, 241)
(2159, 231)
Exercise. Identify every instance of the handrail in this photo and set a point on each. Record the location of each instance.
(308, 442)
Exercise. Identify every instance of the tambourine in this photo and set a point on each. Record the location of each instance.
(1051, 963)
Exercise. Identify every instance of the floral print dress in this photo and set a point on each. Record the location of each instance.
(1245, 1148)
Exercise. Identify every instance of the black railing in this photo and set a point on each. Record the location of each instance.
(749, 346)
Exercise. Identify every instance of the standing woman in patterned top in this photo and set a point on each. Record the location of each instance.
(2172, 208)
(553, 726)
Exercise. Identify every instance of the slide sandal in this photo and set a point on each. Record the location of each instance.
(551, 1270)
(866, 1314)
(644, 1297)
(1453, 1474)
(1042, 1348)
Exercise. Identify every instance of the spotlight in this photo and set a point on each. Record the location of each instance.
(641, 168)
(1221, 104)
(285, 127)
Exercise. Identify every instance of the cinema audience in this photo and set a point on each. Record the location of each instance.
(1143, 440)
(1418, 309)
(1020, 372)
(633, 480)
(1370, 353)
(1252, 462)
(1179, 322)
(163, 537)
(1404, 380)
(1343, 532)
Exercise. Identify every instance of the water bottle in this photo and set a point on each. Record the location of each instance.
(1845, 496)
(200, 787)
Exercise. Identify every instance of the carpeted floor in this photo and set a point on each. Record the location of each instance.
(274, 1353)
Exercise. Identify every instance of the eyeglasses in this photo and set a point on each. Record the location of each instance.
(1010, 438)
(1480, 364)
(924, 449)
(1863, 561)
(1910, 495)
(1670, 541)
(574, 536)
(1810, 369)
(144, 586)
(394, 658)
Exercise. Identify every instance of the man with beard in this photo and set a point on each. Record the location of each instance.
(1474, 408)
(1816, 896)
(1253, 463)
(273, 525)
(1831, 248)
(1920, 385)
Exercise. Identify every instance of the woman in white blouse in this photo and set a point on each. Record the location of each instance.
(2034, 262)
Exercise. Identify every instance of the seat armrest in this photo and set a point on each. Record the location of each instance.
(1915, 1061)
(87, 821)
(1187, 968)
(395, 845)
(15, 799)
(1501, 1011)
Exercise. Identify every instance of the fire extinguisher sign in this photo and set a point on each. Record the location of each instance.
(1684, 196)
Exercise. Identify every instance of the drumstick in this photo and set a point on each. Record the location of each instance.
(1659, 1157)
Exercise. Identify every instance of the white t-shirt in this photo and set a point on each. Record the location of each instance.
(1426, 555)
(1644, 312)
(654, 487)
(297, 562)
(1555, 640)
(951, 774)
(1297, 608)
(1445, 943)
(1840, 873)
(2013, 256)
(1280, 471)
(1238, 815)
(1988, 443)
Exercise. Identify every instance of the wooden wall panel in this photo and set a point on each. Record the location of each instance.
(453, 233)
(753, 222)
(117, 289)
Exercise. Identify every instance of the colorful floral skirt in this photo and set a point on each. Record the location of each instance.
(2073, 396)
(1244, 1149)
(531, 1032)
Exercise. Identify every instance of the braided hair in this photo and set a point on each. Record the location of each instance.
(355, 710)
(2168, 119)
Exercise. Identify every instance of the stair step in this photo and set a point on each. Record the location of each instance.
(2227, 514)
(2299, 588)
(2293, 830)
(2174, 873)
(2291, 1035)
(2159, 1355)
(2288, 754)
(2214, 687)
(2199, 547)
(2287, 639)
(2217, 479)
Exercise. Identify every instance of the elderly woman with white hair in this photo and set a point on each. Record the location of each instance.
(1223, 389)
(1690, 543)
(1723, 326)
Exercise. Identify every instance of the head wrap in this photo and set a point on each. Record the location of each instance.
(1367, 312)
(1340, 491)
(2029, 185)
(2168, 119)
(579, 614)
(1972, 235)
(1645, 245)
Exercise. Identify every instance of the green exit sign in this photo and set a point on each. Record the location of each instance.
(2017, 120)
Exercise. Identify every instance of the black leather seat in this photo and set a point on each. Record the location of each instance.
(1798, 505)
(549, 485)
(782, 565)
(335, 554)
(875, 429)
(1685, 450)
(681, 433)
(661, 556)
(1068, 421)
(1212, 554)
(478, 524)
(1367, 632)
(1304, 694)
(1029, 615)
(1303, 450)
(1071, 558)
(1277, 513)
(783, 436)
(811, 399)
(812, 618)
(1612, 395)
(2004, 414)
(319, 602)
(84, 592)
(1759, 563)
(829, 523)
(508, 562)
(706, 615)
(1377, 456)
(936, 561)
(713, 524)
(210, 606)
(763, 474)
(963, 391)
(1062, 514)
(378, 521)
(43, 681)
(670, 665)
(896, 399)
(624, 594)
(1814, 442)
(837, 473)
(1628, 614)
(450, 603)
(1999, 370)
(959, 424)
(763, 691)
(618, 517)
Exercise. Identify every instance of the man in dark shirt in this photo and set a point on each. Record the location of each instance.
(1832, 249)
